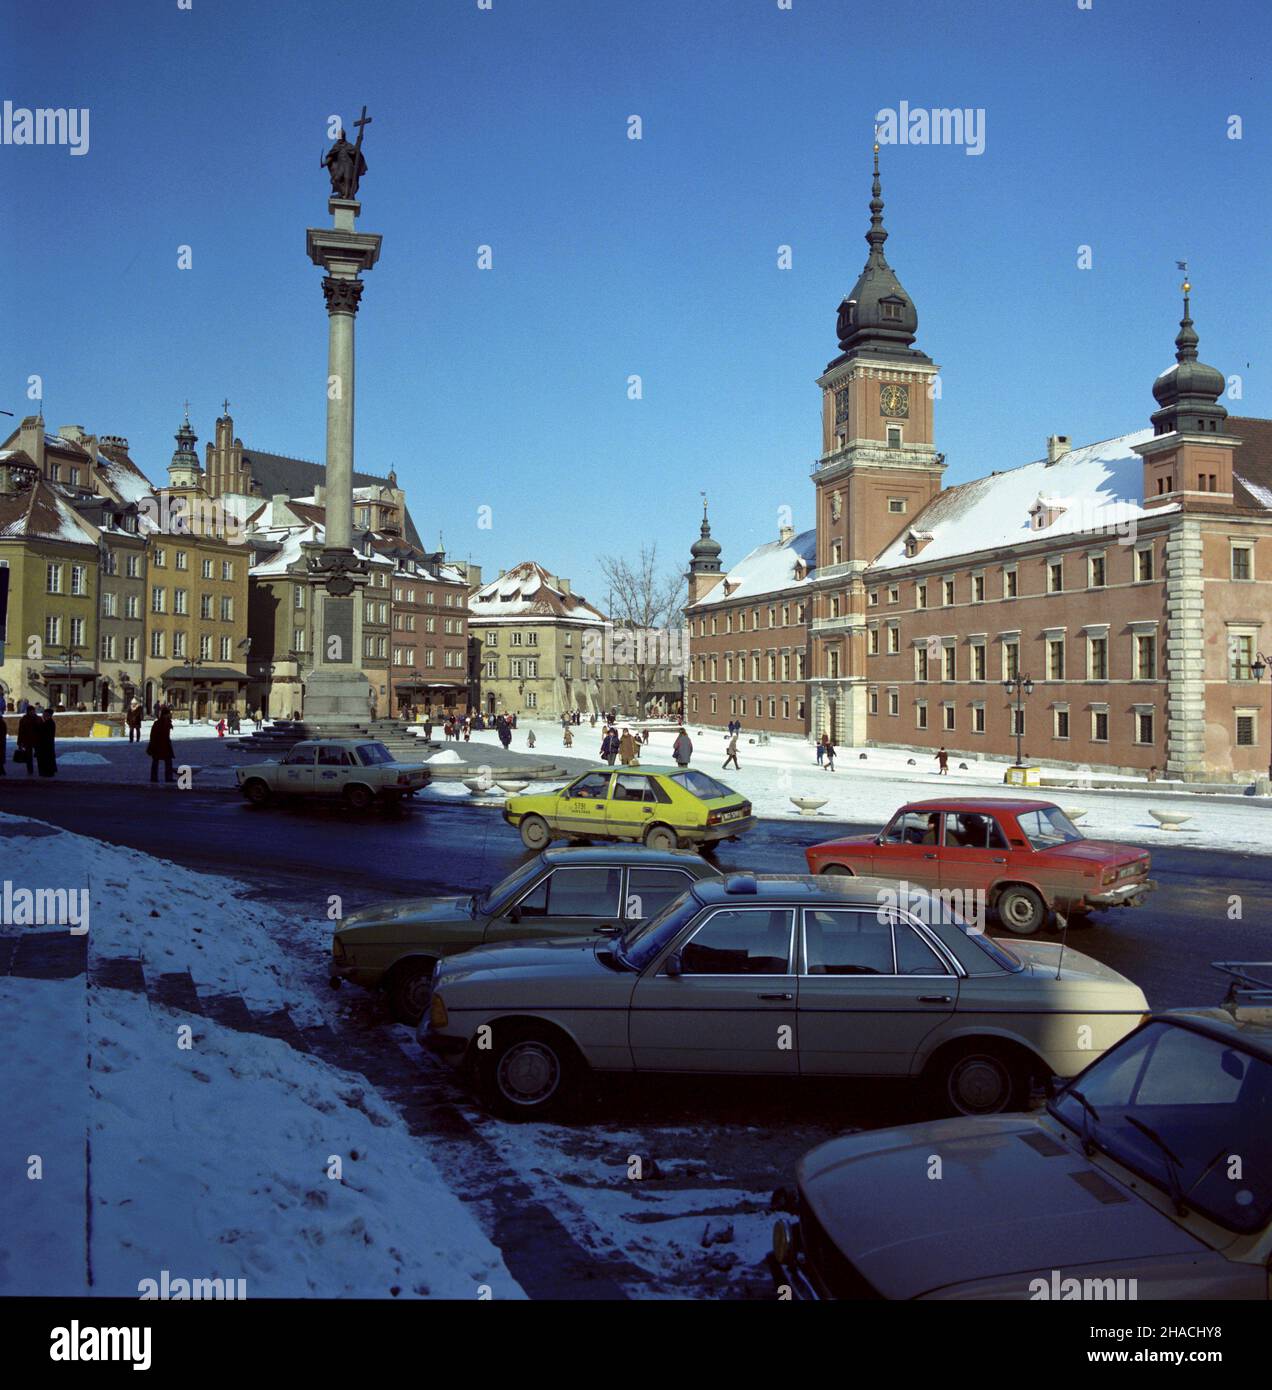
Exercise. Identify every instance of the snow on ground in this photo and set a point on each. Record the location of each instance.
(82, 760)
(870, 790)
(213, 1160)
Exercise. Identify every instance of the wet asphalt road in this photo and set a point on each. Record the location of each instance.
(1210, 904)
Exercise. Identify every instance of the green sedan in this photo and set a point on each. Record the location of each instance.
(395, 946)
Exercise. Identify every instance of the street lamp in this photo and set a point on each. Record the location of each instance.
(1020, 686)
(192, 662)
(69, 655)
(1261, 663)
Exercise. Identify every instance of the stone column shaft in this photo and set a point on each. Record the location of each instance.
(340, 388)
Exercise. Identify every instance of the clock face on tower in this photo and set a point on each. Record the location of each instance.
(894, 400)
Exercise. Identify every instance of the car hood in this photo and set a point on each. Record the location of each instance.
(1009, 1199)
(1041, 958)
(557, 959)
(412, 910)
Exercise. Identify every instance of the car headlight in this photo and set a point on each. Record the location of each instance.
(437, 1015)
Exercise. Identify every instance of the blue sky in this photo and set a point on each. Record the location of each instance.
(508, 388)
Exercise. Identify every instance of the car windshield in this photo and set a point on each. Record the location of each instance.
(1048, 826)
(497, 898)
(703, 787)
(642, 941)
(372, 753)
(1187, 1112)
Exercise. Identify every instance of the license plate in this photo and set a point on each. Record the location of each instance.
(733, 815)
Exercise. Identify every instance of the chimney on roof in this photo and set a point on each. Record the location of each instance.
(1057, 448)
(563, 585)
(31, 441)
(319, 493)
(8, 488)
(278, 513)
(75, 433)
(785, 534)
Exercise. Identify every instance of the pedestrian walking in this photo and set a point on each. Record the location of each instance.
(28, 728)
(530, 739)
(46, 745)
(159, 746)
(505, 734)
(828, 756)
(568, 737)
(731, 753)
(609, 745)
(133, 721)
(221, 727)
(682, 749)
(821, 750)
(627, 748)
(235, 725)
(943, 762)
(257, 717)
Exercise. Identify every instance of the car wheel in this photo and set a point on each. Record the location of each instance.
(410, 989)
(1021, 910)
(359, 797)
(529, 1074)
(661, 837)
(977, 1080)
(535, 833)
(841, 870)
(256, 791)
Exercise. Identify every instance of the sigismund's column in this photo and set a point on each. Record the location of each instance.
(336, 691)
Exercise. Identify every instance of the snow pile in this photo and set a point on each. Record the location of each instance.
(208, 1152)
(447, 755)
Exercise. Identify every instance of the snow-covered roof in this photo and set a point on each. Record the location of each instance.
(770, 568)
(39, 513)
(1096, 490)
(527, 592)
(288, 553)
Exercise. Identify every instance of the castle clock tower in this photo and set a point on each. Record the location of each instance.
(878, 468)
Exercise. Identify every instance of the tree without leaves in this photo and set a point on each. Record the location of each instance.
(646, 610)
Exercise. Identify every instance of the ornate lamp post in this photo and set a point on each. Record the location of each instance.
(1263, 662)
(70, 655)
(1020, 686)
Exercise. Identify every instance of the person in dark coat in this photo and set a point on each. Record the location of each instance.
(160, 746)
(45, 745)
(505, 733)
(4, 740)
(133, 720)
(682, 749)
(28, 729)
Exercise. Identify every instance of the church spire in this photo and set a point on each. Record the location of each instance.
(878, 233)
(1188, 393)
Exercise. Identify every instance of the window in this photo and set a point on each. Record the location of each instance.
(978, 719)
(298, 600)
(52, 629)
(740, 941)
(873, 598)
(130, 648)
(971, 830)
(227, 608)
(978, 661)
(1097, 658)
(949, 659)
(205, 647)
(894, 431)
(1018, 722)
(132, 605)
(1010, 582)
(873, 701)
(227, 569)
(1055, 576)
(77, 632)
(913, 828)
(132, 566)
(156, 643)
(1241, 656)
(298, 639)
(1099, 726)
(205, 605)
(1144, 564)
(78, 586)
(182, 560)
(1145, 656)
(1242, 562)
(894, 594)
(651, 890)
(978, 588)
(226, 648)
(947, 717)
(53, 579)
(920, 714)
(1247, 732)
(158, 600)
(1095, 571)
(894, 702)
(920, 596)
(920, 664)
(849, 943)
(894, 640)
(180, 603)
(207, 569)
(1011, 659)
(896, 505)
(947, 592)
(492, 638)
(1055, 658)
(872, 641)
(1143, 726)
(1060, 721)
(110, 604)
(160, 558)
(581, 892)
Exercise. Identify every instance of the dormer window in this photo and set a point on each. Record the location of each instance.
(891, 309)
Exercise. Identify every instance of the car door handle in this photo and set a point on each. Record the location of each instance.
(929, 856)
(935, 998)
(779, 995)
(998, 859)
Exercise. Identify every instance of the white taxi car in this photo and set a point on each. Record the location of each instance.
(358, 770)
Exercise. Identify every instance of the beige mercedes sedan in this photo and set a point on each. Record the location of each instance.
(781, 976)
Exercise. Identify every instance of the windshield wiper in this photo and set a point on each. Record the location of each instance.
(1174, 1167)
(1089, 1145)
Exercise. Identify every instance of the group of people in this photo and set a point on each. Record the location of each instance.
(35, 743)
(625, 746)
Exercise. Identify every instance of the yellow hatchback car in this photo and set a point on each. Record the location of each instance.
(661, 807)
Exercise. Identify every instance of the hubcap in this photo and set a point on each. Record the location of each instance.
(1020, 912)
(529, 1073)
(978, 1085)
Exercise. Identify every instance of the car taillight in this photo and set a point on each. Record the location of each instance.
(714, 817)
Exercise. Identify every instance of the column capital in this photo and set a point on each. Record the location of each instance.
(342, 296)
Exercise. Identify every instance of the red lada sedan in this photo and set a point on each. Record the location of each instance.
(1026, 858)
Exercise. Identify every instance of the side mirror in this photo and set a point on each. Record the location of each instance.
(672, 968)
